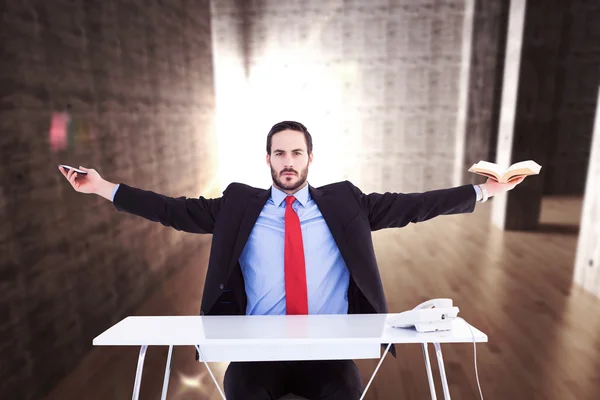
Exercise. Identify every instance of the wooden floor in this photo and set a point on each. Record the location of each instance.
(544, 334)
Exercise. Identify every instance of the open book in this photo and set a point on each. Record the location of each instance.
(504, 175)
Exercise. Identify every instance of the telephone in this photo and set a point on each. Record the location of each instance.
(430, 316)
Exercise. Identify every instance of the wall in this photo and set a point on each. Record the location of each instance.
(587, 260)
(575, 102)
(230, 22)
(577, 71)
(138, 76)
(484, 87)
(375, 83)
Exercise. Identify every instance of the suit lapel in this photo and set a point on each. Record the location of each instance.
(334, 217)
(330, 212)
(251, 213)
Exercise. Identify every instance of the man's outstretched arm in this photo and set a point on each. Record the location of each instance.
(395, 210)
(195, 215)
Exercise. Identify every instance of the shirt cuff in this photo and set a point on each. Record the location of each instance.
(114, 191)
(478, 192)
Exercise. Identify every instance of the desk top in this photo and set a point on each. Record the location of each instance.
(348, 329)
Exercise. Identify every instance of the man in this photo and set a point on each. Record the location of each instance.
(292, 249)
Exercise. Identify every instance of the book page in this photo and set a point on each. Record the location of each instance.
(522, 168)
(529, 164)
(514, 178)
(488, 174)
(515, 171)
(485, 165)
(510, 175)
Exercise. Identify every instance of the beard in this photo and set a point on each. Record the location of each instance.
(281, 181)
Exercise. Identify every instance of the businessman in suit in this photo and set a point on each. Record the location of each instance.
(290, 249)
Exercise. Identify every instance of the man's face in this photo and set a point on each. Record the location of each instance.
(289, 160)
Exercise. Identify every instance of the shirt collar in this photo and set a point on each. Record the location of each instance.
(278, 196)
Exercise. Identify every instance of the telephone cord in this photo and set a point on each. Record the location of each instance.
(474, 356)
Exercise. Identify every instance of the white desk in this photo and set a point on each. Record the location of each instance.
(279, 337)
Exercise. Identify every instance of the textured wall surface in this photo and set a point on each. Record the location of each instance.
(375, 82)
(577, 74)
(575, 101)
(138, 77)
(527, 121)
(587, 262)
(490, 25)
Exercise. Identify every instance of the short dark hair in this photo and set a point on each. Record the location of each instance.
(292, 126)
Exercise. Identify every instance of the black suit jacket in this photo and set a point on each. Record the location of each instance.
(350, 214)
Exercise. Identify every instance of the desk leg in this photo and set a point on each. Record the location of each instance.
(438, 353)
(210, 372)
(429, 374)
(138, 373)
(167, 374)
(373, 376)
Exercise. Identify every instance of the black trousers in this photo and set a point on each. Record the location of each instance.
(318, 380)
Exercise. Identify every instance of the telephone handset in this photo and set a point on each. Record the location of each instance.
(438, 303)
(430, 316)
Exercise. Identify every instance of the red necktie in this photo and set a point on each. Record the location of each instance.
(295, 270)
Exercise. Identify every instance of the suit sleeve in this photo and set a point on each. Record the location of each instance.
(395, 210)
(194, 215)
